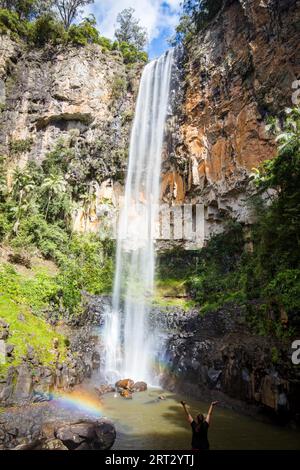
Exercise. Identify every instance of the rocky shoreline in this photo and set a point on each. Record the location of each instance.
(47, 426)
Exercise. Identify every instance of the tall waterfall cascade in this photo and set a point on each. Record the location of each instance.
(128, 344)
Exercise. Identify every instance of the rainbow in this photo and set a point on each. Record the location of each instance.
(80, 401)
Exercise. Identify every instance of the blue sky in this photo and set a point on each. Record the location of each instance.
(158, 17)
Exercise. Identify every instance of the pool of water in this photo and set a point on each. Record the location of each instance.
(146, 422)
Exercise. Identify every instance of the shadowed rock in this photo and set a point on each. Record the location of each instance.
(86, 435)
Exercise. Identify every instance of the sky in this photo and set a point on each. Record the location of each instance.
(158, 17)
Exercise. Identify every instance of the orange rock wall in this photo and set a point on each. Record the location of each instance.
(238, 71)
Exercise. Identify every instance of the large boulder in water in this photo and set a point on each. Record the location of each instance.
(140, 387)
(87, 435)
(125, 384)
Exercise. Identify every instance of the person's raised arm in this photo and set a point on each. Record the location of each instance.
(188, 415)
(208, 417)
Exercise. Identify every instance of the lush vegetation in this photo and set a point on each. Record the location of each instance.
(40, 22)
(36, 218)
(27, 329)
(264, 278)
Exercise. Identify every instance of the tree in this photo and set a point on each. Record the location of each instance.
(22, 191)
(54, 185)
(196, 14)
(23, 8)
(129, 30)
(68, 10)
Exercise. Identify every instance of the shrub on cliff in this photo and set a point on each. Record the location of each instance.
(43, 27)
(46, 29)
(11, 24)
(131, 54)
(196, 15)
(84, 33)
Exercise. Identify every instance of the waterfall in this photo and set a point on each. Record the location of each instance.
(128, 344)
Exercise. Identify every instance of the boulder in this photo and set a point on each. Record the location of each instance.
(104, 388)
(53, 444)
(126, 394)
(125, 384)
(86, 435)
(140, 387)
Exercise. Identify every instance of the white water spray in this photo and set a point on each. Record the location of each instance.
(129, 348)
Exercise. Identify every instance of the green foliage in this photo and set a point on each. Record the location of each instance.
(17, 147)
(39, 24)
(85, 33)
(216, 280)
(23, 9)
(50, 239)
(10, 23)
(196, 15)
(131, 54)
(27, 329)
(88, 267)
(46, 29)
(284, 291)
(106, 43)
(36, 293)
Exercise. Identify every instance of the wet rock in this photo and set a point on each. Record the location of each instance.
(213, 376)
(125, 384)
(96, 360)
(53, 444)
(34, 445)
(103, 389)
(126, 394)
(139, 387)
(82, 435)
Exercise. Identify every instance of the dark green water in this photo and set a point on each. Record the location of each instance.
(147, 423)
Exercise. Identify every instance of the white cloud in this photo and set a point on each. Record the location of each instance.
(154, 15)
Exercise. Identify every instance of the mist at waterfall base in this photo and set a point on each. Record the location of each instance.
(128, 342)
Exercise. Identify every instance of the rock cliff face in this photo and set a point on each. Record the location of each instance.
(237, 72)
(234, 74)
(81, 96)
